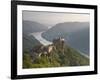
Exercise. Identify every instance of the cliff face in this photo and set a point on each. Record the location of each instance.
(57, 54)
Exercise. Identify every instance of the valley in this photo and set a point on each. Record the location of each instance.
(65, 44)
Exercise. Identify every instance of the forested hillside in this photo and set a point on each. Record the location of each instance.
(60, 55)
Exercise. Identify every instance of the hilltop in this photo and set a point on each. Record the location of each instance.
(58, 54)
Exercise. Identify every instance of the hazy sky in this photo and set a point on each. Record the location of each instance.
(52, 18)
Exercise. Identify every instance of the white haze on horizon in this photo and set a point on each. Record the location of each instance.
(52, 18)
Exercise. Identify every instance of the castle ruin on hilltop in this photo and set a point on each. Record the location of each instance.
(57, 44)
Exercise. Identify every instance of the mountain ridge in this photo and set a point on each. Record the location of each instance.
(72, 32)
(32, 26)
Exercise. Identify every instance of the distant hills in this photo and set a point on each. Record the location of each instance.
(64, 29)
(32, 26)
(75, 33)
(29, 42)
(80, 40)
(29, 27)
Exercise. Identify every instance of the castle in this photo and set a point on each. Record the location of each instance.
(59, 41)
(47, 50)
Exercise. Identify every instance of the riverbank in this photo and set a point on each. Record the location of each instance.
(38, 36)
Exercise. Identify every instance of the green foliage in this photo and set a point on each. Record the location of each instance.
(59, 58)
(27, 61)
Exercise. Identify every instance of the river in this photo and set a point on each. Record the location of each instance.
(38, 36)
